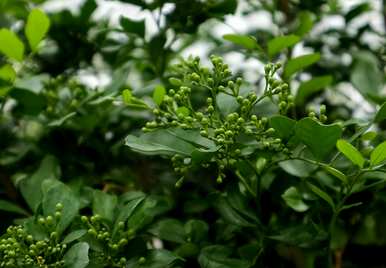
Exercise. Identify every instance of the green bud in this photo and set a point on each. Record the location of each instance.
(84, 219)
(195, 77)
(175, 81)
(142, 260)
(59, 207)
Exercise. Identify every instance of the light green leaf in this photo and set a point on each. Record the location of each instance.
(378, 155)
(296, 64)
(7, 74)
(183, 110)
(336, 173)
(293, 199)
(322, 195)
(279, 43)
(319, 138)
(77, 256)
(245, 41)
(36, 28)
(10, 45)
(305, 22)
(311, 87)
(159, 94)
(350, 152)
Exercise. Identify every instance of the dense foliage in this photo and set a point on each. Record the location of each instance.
(278, 160)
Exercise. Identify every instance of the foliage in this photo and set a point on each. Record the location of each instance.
(186, 161)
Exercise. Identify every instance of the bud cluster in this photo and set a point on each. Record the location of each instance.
(224, 130)
(115, 242)
(277, 87)
(18, 248)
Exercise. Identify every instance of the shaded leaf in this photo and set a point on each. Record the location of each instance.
(294, 200)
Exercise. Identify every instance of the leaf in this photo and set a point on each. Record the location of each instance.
(279, 43)
(160, 258)
(378, 155)
(312, 86)
(381, 114)
(159, 143)
(10, 45)
(11, 207)
(217, 256)
(356, 11)
(305, 22)
(322, 195)
(30, 187)
(28, 102)
(75, 235)
(297, 167)
(366, 75)
(230, 214)
(132, 26)
(319, 138)
(104, 204)
(369, 136)
(77, 256)
(36, 28)
(350, 152)
(169, 230)
(61, 193)
(196, 230)
(294, 200)
(336, 173)
(7, 74)
(296, 64)
(245, 41)
(159, 94)
(284, 126)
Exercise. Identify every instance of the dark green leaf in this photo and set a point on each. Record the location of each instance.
(30, 187)
(75, 235)
(319, 138)
(11, 207)
(312, 86)
(316, 190)
(134, 27)
(381, 114)
(169, 230)
(104, 205)
(284, 126)
(77, 256)
(220, 257)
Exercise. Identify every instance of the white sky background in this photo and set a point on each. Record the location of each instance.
(112, 10)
